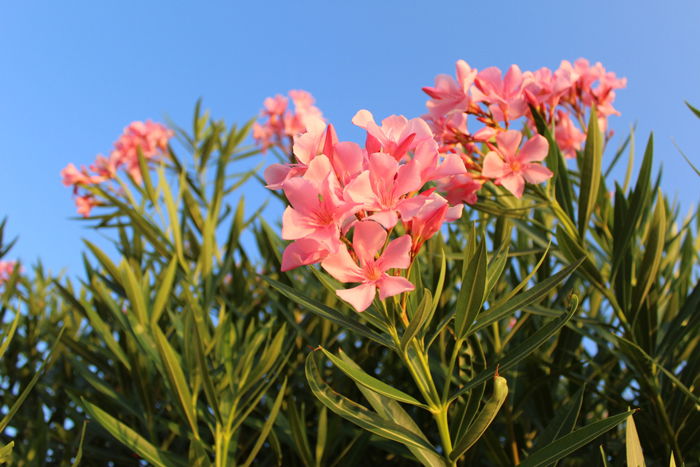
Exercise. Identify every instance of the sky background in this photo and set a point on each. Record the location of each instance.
(73, 74)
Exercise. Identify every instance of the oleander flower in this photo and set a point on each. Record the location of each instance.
(368, 239)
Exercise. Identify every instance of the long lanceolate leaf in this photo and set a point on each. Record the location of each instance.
(353, 370)
(590, 173)
(356, 413)
(329, 313)
(130, 438)
(567, 444)
(522, 350)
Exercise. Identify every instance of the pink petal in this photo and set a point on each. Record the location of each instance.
(514, 183)
(295, 225)
(341, 266)
(301, 253)
(368, 238)
(362, 118)
(493, 167)
(387, 218)
(396, 254)
(302, 195)
(535, 173)
(508, 142)
(535, 149)
(393, 285)
(359, 189)
(359, 297)
(407, 179)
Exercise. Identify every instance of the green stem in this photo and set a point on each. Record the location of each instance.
(450, 369)
(444, 430)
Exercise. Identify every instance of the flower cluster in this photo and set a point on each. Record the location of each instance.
(6, 270)
(281, 124)
(346, 200)
(411, 176)
(496, 100)
(150, 138)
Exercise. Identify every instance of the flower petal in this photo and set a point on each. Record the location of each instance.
(341, 266)
(536, 173)
(396, 254)
(359, 297)
(514, 183)
(535, 149)
(368, 238)
(302, 252)
(393, 285)
(494, 167)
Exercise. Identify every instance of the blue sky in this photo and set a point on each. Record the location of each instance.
(73, 74)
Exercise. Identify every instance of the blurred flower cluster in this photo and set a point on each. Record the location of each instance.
(150, 138)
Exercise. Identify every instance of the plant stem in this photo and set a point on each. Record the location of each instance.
(444, 430)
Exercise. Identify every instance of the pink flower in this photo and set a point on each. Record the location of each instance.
(85, 203)
(567, 135)
(149, 137)
(317, 210)
(368, 239)
(511, 167)
(281, 123)
(396, 136)
(6, 270)
(72, 176)
(381, 188)
(423, 215)
(460, 188)
(503, 95)
(450, 95)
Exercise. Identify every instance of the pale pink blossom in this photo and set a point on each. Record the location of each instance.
(368, 239)
(460, 188)
(317, 210)
(85, 203)
(149, 137)
(6, 270)
(567, 135)
(396, 136)
(512, 167)
(503, 95)
(381, 188)
(281, 123)
(450, 95)
(423, 215)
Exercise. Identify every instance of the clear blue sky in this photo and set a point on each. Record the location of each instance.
(73, 74)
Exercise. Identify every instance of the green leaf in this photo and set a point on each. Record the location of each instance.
(590, 173)
(130, 438)
(177, 379)
(8, 337)
(567, 444)
(345, 364)
(328, 313)
(79, 454)
(635, 456)
(693, 109)
(422, 316)
(563, 422)
(392, 411)
(520, 301)
(267, 426)
(6, 452)
(28, 388)
(471, 293)
(165, 286)
(356, 413)
(483, 420)
(519, 352)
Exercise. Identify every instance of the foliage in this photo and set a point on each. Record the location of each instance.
(537, 326)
